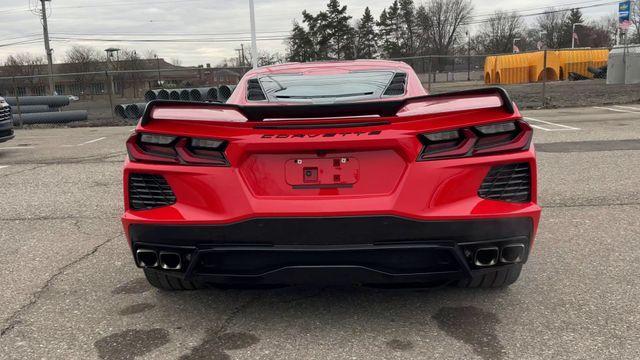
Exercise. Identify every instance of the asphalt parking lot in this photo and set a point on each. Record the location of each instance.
(70, 290)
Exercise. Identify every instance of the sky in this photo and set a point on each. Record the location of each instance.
(221, 24)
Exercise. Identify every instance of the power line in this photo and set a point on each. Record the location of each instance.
(165, 34)
(476, 22)
(103, 4)
(546, 7)
(141, 40)
(24, 42)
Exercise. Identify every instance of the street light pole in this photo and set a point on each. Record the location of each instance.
(254, 45)
(468, 56)
(513, 45)
(573, 34)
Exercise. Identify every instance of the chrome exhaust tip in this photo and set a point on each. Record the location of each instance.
(512, 253)
(146, 258)
(486, 256)
(170, 260)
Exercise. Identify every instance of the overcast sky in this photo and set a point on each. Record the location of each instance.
(226, 21)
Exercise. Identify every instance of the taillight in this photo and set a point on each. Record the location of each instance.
(476, 140)
(146, 147)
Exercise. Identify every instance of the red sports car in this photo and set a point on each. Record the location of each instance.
(338, 171)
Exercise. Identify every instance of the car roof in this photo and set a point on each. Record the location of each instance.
(330, 66)
(414, 86)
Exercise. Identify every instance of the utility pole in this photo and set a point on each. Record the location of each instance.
(47, 47)
(254, 45)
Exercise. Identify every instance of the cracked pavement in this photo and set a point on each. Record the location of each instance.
(69, 287)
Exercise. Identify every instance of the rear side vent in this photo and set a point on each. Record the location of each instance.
(510, 183)
(254, 91)
(397, 85)
(148, 191)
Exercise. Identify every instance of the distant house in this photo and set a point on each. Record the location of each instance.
(132, 79)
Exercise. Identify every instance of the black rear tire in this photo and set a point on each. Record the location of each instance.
(170, 283)
(495, 279)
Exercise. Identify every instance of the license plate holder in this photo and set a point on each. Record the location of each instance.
(322, 172)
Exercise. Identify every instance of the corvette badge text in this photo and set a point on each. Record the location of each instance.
(327, 135)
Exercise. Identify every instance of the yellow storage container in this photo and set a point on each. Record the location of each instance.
(529, 67)
(579, 60)
(489, 70)
(512, 69)
(536, 66)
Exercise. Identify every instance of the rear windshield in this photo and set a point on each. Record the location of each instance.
(313, 88)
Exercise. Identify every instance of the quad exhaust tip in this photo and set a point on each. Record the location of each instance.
(512, 253)
(170, 260)
(486, 256)
(146, 258)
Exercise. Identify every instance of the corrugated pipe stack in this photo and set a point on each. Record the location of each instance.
(43, 110)
(189, 94)
(201, 94)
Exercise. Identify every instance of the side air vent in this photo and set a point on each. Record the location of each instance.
(148, 191)
(397, 85)
(254, 91)
(510, 183)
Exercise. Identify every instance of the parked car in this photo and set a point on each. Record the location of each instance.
(336, 171)
(6, 121)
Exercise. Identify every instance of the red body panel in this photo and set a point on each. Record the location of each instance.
(383, 174)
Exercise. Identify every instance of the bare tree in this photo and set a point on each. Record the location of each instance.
(130, 60)
(81, 60)
(499, 32)
(634, 17)
(601, 33)
(25, 64)
(551, 24)
(149, 54)
(176, 62)
(610, 23)
(447, 19)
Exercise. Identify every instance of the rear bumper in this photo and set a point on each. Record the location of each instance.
(373, 249)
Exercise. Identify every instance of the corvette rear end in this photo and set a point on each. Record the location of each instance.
(301, 179)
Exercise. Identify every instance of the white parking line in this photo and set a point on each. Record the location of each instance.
(87, 142)
(4, 166)
(92, 141)
(16, 147)
(617, 110)
(561, 127)
(628, 107)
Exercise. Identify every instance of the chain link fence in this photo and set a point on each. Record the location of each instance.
(534, 80)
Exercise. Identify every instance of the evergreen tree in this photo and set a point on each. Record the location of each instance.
(340, 32)
(574, 17)
(300, 45)
(423, 24)
(390, 26)
(319, 33)
(407, 27)
(367, 43)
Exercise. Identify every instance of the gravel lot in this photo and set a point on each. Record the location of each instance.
(70, 290)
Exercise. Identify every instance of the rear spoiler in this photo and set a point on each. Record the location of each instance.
(385, 108)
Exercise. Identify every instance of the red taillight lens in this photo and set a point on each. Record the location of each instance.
(178, 150)
(477, 140)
